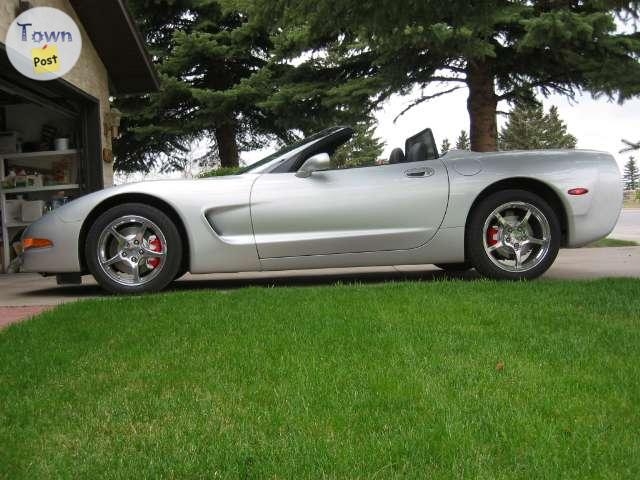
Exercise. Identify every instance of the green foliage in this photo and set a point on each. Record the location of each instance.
(529, 128)
(220, 82)
(631, 175)
(363, 149)
(203, 52)
(220, 172)
(445, 147)
(399, 380)
(463, 142)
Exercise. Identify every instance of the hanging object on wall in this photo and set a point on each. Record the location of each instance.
(112, 124)
(107, 155)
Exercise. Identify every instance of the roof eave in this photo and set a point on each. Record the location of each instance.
(119, 44)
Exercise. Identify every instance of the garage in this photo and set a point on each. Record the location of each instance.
(55, 136)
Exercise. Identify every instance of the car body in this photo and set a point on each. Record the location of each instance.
(292, 211)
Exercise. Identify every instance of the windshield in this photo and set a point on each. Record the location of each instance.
(288, 149)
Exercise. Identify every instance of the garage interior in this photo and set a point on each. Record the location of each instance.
(50, 152)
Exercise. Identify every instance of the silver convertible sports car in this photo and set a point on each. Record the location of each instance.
(506, 214)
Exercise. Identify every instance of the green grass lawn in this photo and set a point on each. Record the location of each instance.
(613, 242)
(399, 380)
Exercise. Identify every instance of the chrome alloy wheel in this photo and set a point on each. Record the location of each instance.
(516, 236)
(132, 250)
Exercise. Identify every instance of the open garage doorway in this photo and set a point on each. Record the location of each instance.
(50, 151)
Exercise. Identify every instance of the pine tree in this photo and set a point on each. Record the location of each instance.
(219, 83)
(508, 50)
(631, 175)
(445, 147)
(363, 149)
(529, 128)
(203, 52)
(463, 143)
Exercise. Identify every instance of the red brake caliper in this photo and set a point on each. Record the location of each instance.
(493, 236)
(156, 246)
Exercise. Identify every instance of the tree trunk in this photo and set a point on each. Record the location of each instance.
(227, 145)
(482, 105)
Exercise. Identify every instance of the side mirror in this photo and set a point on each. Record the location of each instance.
(317, 163)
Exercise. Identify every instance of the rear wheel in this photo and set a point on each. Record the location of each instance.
(513, 235)
(133, 248)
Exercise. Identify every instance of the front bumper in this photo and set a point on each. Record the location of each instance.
(62, 257)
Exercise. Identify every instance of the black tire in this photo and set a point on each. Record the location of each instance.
(454, 267)
(181, 273)
(169, 267)
(492, 264)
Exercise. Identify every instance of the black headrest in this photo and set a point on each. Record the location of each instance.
(417, 153)
(397, 156)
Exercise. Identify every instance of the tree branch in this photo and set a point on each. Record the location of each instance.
(446, 79)
(546, 85)
(457, 69)
(424, 99)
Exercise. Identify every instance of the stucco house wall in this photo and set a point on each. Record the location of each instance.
(89, 74)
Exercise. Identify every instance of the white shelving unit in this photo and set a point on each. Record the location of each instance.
(9, 226)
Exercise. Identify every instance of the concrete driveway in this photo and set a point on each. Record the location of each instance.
(628, 227)
(586, 263)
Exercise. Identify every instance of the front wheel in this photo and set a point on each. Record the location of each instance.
(133, 248)
(513, 235)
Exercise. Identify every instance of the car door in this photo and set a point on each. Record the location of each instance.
(387, 207)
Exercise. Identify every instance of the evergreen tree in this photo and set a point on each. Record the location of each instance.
(203, 52)
(363, 149)
(463, 143)
(501, 50)
(529, 128)
(445, 147)
(631, 175)
(219, 84)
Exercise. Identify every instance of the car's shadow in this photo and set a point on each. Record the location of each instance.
(311, 280)
(276, 279)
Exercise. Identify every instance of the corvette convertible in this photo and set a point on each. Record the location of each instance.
(506, 214)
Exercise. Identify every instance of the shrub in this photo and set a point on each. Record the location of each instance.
(220, 172)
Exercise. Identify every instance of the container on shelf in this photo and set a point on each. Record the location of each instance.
(61, 144)
(14, 210)
(32, 210)
(9, 142)
(38, 181)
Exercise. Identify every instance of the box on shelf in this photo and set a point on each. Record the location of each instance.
(8, 142)
(32, 210)
(14, 210)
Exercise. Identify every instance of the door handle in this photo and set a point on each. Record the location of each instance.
(420, 172)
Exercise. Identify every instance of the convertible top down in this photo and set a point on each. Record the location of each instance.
(506, 214)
